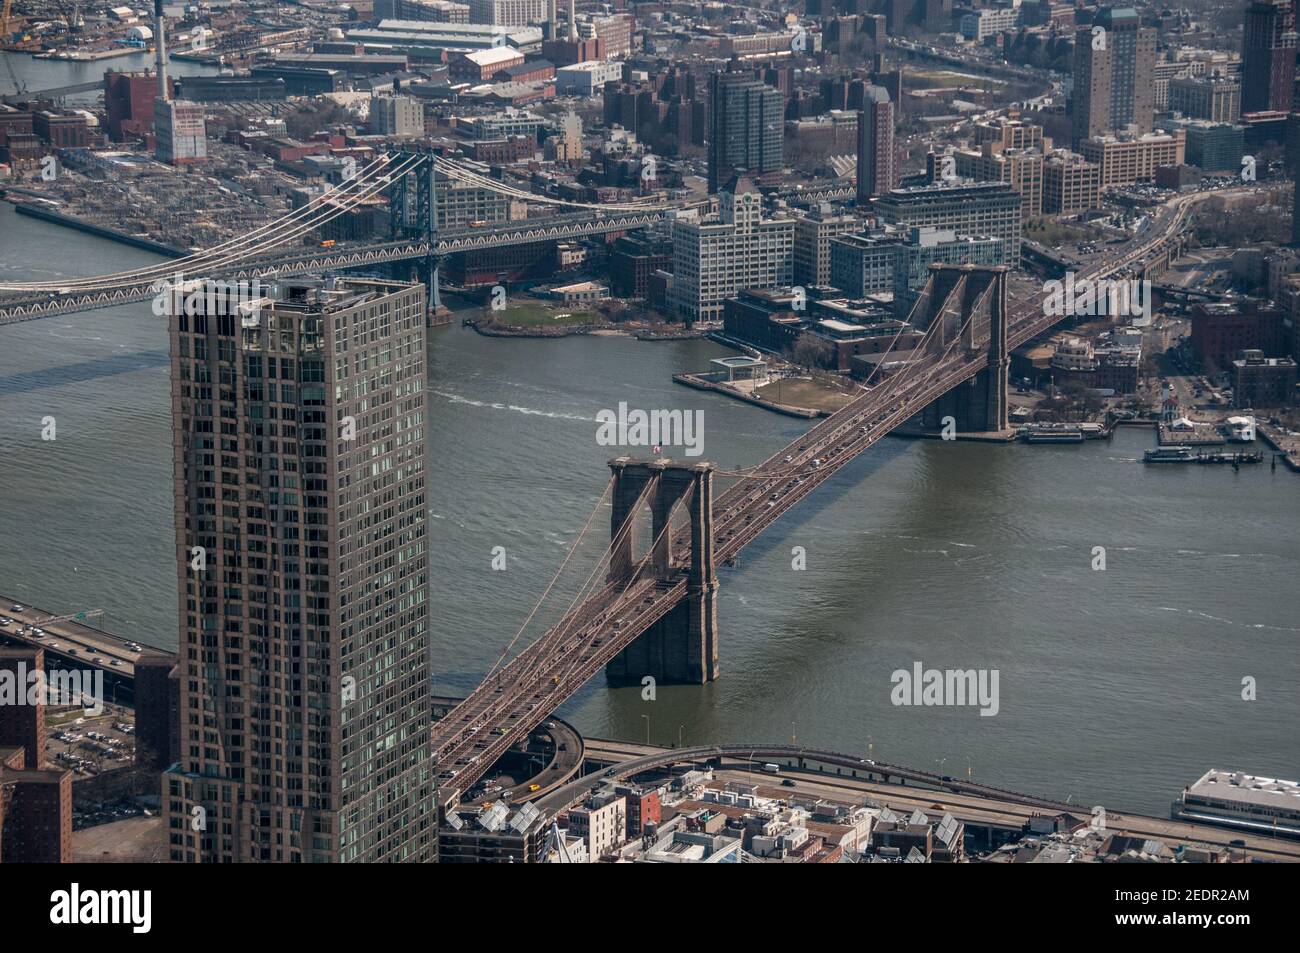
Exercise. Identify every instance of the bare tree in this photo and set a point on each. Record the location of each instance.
(811, 351)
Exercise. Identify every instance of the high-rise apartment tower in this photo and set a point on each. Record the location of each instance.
(1114, 70)
(302, 569)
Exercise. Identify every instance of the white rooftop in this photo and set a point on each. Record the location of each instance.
(1248, 789)
(586, 66)
(497, 54)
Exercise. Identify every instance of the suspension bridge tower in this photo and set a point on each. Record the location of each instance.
(413, 213)
(969, 304)
(682, 646)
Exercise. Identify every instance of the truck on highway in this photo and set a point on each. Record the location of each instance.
(771, 768)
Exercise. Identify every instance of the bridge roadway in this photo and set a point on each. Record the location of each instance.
(535, 682)
(286, 262)
(70, 640)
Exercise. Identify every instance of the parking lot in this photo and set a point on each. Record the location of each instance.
(91, 746)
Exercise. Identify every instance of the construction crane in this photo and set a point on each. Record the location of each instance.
(19, 86)
(71, 13)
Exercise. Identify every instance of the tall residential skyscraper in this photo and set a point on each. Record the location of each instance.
(1114, 68)
(1268, 48)
(299, 478)
(746, 127)
(875, 144)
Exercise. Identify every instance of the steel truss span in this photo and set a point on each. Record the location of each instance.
(271, 251)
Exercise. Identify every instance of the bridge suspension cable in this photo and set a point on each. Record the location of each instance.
(530, 658)
(340, 206)
(529, 661)
(539, 652)
(335, 202)
(746, 473)
(554, 579)
(169, 267)
(565, 627)
(616, 607)
(470, 177)
(895, 414)
(734, 500)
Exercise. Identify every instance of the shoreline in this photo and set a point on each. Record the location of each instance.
(603, 329)
(101, 231)
(1262, 433)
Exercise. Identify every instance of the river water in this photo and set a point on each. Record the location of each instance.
(36, 74)
(1117, 687)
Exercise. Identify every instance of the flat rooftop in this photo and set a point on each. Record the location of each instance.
(738, 362)
(1248, 789)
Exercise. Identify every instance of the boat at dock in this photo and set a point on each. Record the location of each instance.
(1235, 459)
(1052, 433)
(1186, 455)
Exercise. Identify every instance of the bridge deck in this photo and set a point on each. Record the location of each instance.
(297, 260)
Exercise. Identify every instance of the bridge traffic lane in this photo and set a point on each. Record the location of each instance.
(68, 639)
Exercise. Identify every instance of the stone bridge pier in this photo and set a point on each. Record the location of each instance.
(682, 647)
(953, 294)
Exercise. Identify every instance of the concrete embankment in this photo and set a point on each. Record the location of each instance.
(58, 218)
(1277, 442)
